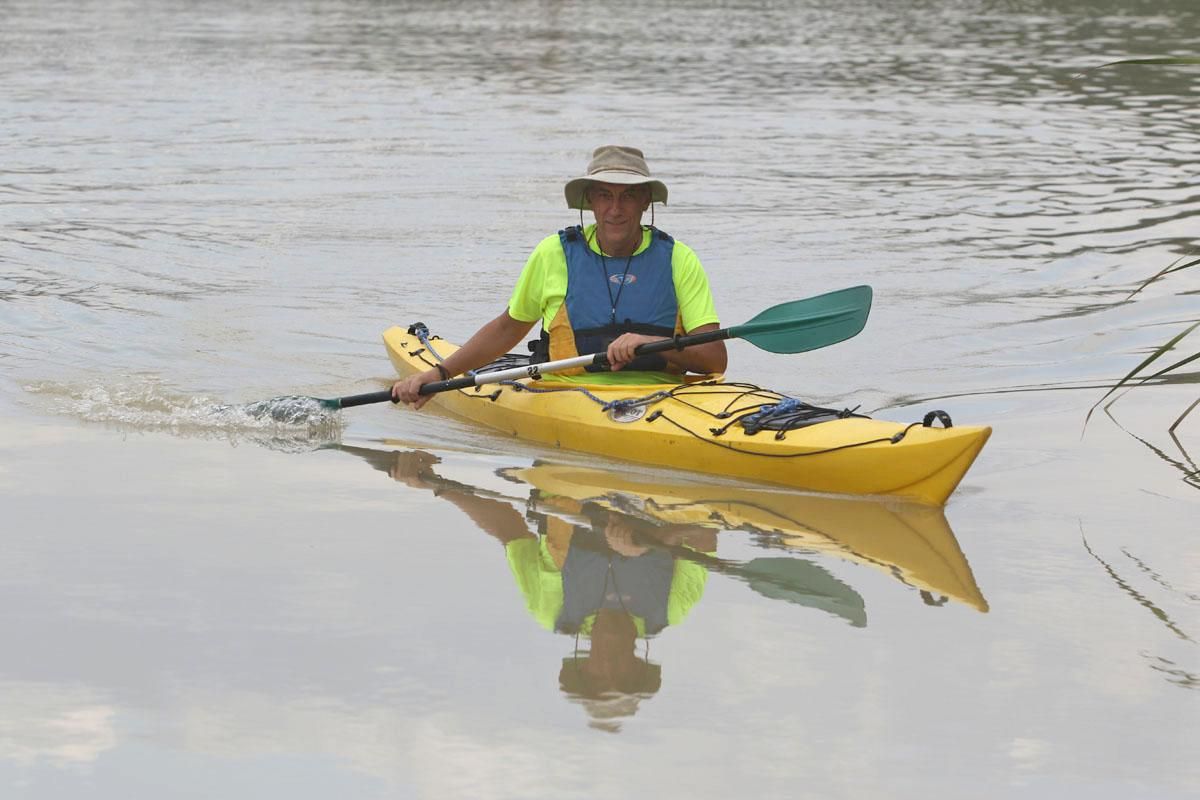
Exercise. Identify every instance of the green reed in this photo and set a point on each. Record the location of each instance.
(1140, 374)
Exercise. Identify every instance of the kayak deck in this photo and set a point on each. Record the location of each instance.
(677, 426)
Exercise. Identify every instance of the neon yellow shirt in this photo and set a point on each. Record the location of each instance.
(542, 288)
(540, 581)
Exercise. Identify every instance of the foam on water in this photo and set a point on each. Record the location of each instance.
(147, 404)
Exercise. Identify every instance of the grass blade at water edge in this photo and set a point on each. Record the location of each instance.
(1174, 266)
(1162, 61)
(1166, 348)
(1175, 424)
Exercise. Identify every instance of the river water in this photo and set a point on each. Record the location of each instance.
(212, 203)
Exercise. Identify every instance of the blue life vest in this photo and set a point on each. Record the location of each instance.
(607, 297)
(594, 577)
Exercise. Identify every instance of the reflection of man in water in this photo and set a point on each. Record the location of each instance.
(589, 572)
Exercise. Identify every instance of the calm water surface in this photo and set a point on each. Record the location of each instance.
(212, 203)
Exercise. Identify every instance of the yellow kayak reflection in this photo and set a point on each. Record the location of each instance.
(909, 541)
(610, 559)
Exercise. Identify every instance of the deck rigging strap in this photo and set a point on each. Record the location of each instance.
(787, 415)
(724, 445)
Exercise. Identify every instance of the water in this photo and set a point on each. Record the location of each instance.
(207, 205)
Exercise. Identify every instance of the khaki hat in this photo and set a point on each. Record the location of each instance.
(614, 164)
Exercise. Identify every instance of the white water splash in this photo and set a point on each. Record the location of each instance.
(285, 423)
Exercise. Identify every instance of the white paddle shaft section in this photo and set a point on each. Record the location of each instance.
(533, 371)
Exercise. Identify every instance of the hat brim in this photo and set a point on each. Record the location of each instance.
(576, 189)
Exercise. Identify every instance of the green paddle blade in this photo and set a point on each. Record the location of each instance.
(805, 583)
(808, 324)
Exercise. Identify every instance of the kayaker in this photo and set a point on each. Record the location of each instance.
(609, 286)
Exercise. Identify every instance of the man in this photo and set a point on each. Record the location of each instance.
(608, 287)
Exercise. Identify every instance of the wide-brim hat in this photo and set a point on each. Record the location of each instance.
(613, 163)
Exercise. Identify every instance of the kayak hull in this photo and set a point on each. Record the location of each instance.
(847, 456)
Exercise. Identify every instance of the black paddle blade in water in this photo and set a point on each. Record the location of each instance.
(292, 409)
(297, 409)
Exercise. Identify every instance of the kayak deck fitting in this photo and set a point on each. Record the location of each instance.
(710, 426)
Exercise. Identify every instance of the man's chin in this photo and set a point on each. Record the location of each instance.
(618, 232)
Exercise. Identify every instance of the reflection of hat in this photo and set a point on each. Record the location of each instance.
(607, 702)
(613, 163)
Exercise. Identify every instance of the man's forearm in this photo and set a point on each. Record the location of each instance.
(702, 358)
(490, 342)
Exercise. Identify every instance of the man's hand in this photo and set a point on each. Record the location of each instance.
(619, 536)
(407, 390)
(620, 352)
(413, 467)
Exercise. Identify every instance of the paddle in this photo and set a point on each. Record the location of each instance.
(793, 327)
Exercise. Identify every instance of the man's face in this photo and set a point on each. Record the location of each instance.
(618, 209)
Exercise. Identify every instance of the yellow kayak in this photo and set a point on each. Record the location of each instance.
(712, 427)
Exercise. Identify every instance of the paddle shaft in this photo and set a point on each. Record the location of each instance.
(536, 371)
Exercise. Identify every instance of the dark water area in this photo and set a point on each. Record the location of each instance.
(203, 205)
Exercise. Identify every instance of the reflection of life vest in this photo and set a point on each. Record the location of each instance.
(594, 577)
(540, 569)
(607, 297)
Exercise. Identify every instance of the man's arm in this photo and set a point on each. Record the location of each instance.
(707, 358)
(489, 343)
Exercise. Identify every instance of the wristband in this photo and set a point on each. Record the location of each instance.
(442, 371)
